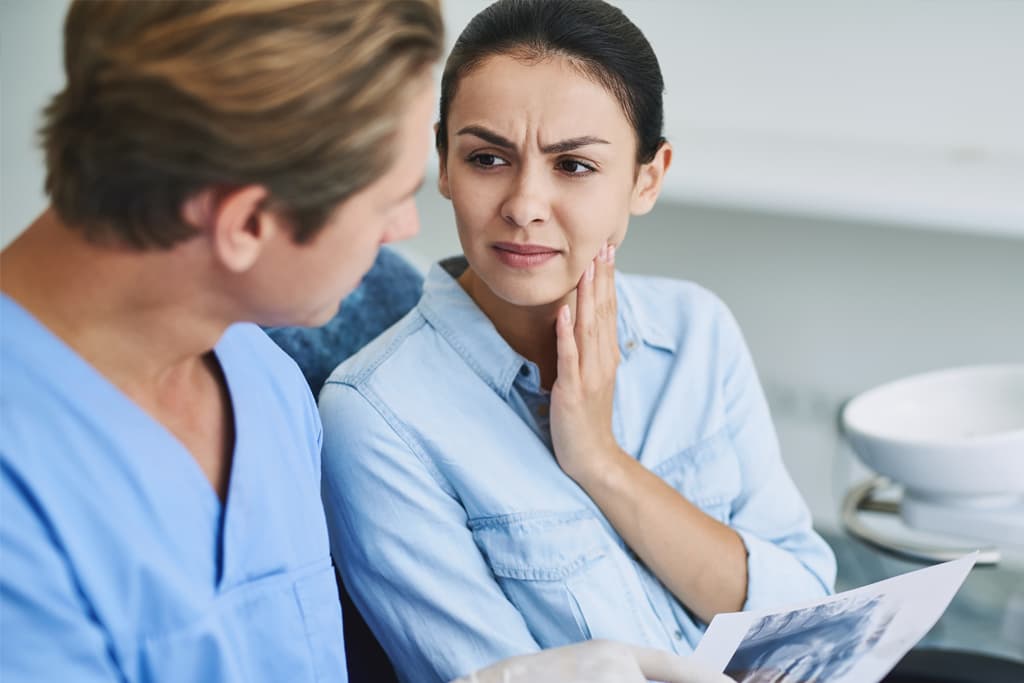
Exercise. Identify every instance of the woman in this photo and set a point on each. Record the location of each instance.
(543, 451)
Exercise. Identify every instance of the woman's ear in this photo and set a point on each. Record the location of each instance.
(649, 180)
(442, 168)
(236, 223)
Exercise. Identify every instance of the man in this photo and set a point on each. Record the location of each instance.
(209, 165)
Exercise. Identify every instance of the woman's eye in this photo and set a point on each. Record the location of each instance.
(574, 167)
(487, 160)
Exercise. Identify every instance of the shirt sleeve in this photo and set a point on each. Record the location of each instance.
(49, 631)
(787, 561)
(400, 539)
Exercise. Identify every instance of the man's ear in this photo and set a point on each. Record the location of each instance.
(442, 168)
(649, 180)
(236, 222)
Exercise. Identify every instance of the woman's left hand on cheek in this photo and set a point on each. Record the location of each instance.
(588, 357)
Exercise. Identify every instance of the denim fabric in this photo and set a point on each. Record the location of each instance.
(461, 539)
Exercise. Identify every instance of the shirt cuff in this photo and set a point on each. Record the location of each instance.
(775, 577)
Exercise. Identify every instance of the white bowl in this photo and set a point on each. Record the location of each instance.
(951, 433)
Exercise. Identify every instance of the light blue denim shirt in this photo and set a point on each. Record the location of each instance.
(461, 539)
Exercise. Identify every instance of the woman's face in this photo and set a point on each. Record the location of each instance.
(541, 171)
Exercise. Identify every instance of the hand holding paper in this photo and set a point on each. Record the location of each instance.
(597, 661)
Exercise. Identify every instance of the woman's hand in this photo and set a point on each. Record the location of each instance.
(656, 521)
(588, 357)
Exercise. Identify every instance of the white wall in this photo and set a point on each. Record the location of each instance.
(830, 306)
(30, 72)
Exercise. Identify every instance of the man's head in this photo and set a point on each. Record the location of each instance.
(166, 100)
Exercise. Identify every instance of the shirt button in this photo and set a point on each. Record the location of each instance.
(631, 344)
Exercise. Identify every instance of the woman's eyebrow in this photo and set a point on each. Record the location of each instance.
(559, 147)
(487, 136)
(569, 145)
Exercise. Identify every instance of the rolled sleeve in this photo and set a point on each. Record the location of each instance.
(771, 571)
(787, 561)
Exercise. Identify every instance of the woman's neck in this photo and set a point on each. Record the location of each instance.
(529, 330)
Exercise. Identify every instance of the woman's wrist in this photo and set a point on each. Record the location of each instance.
(604, 472)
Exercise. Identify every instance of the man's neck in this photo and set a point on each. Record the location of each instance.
(134, 315)
(145, 320)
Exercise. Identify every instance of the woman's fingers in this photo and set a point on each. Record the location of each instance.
(568, 353)
(601, 350)
(585, 308)
(595, 342)
(603, 278)
(606, 307)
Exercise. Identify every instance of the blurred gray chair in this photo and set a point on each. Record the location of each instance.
(388, 292)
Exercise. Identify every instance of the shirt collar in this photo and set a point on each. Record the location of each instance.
(457, 318)
(638, 324)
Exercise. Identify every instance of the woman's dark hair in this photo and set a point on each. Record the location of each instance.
(595, 36)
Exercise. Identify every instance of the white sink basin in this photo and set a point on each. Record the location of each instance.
(951, 434)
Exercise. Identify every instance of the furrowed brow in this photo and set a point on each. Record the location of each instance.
(487, 136)
(571, 144)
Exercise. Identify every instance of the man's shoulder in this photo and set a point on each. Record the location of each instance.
(263, 358)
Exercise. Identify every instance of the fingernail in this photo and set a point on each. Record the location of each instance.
(611, 254)
(602, 255)
(590, 271)
(564, 313)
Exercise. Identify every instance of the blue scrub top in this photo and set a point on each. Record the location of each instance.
(119, 561)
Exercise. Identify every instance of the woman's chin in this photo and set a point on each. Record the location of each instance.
(524, 290)
(530, 295)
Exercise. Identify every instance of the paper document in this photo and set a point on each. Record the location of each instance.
(856, 636)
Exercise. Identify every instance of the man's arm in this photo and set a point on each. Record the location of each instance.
(47, 629)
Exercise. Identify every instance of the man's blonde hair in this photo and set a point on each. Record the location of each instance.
(164, 99)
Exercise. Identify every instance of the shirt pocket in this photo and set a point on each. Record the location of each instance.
(706, 473)
(561, 572)
(280, 627)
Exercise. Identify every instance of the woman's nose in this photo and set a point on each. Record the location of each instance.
(527, 201)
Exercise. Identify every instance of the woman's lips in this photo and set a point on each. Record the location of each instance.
(523, 255)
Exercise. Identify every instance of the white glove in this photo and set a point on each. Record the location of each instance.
(597, 661)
